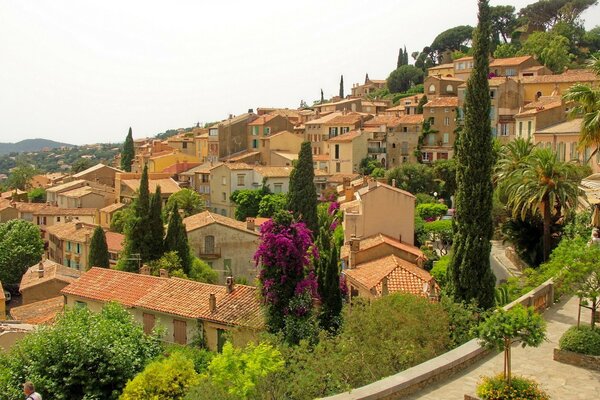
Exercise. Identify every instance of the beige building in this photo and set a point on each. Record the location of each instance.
(535, 87)
(99, 173)
(199, 179)
(441, 86)
(318, 131)
(370, 86)
(7, 211)
(227, 245)
(544, 112)
(265, 126)
(378, 208)
(441, 112)
(280, 149)
(184, 143)
(347, 150)
(45, 280)
(231, 135)
(48, 216)
(512, 66)
(105, 215)
(128, 184)
(46, 180)
(188, 311)
(406, 106)
(339, 105)
(402, 142)
(446, 70)
(86, 197)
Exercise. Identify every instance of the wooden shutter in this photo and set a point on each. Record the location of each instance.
(148, 323)
(179, 331)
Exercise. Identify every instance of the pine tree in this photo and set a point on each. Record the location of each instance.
(156, 229)
(342, 87)
(143, 201)
(128, 153)
(322, 97)
(400, 61)
(302, 196)
(469, 271)
(176, 239)
(405, 56)
(331, 295)
(98, 256)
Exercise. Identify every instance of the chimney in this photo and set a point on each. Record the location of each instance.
(250, 111)
(78, 225)
(230, 284)
(384, 286)
(212, 303)
(145, 270)
(372, 184)
(349, 193)
(250, 225)
(163, 273)
(354, 247)
(346, 182)
(40, 270)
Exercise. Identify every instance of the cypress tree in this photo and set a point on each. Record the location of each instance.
(98, 256)
(342, 87)
(400, 61)
(322, 97)
(331, 295)
(176, 239)
(302, 196)
(422, 102)
(469, 271)
(156, 229)
(142, 205)
(128, 153)
(405, 56)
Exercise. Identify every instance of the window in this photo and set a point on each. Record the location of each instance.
(224, 196)
(223, 180)
(426, 157)
(529, 128)
(344, 129)
(432, 110)
(431, 139)
(227, 266)
(404, 129)
(221, 339)
(492, 94)
(78, 249)
(460, 65)
(254, 143)
(338, 167)
(442, 156)
(241, 179)
(520, 128)
(337, 152)
(184, 145)
(179, 331)
(432, 120)
(68, 246)
(446, 138)
(510, 71)
(504, 131)
(446, 121)
(266, 131)
(333, 131)
(278, 187)
(450, 88)
(80, 304)
(209, 244)
(404, 148)
(149, 320)
(57, 219)
(432, 88)
(492, 113)
(255, 130)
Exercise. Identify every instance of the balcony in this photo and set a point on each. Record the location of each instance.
(209, 253)
(376, 150)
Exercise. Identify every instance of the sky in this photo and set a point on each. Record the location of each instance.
(84, 72)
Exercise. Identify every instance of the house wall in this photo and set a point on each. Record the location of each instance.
(567, 147)
(394, 145)
(445, 123)
(236, 247)
(42, 291)
(104, 176)
(286, 142)
(8, 213)
(223, 182)
(436, 87)
(160, 163)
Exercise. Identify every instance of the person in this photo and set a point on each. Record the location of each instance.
(30, 393)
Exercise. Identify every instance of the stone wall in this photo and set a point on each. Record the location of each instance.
(577, 359)
(512, 255)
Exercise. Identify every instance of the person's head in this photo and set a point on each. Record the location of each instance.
(28, 388)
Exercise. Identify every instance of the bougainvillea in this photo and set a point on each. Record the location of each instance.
(285, 257)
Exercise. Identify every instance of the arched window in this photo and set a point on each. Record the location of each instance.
(432, 88)
(449, 88)
(209, 244)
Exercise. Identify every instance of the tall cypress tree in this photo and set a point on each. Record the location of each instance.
(127, 153)
(322, 97)
(156, 229)
(400, 61)
(176, 239)
(331, 295)
(302, 196)
(342, 86)
(470, 273)
(98, 256)
(142, 205)
(405, 56)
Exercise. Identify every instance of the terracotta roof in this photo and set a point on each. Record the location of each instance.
(185, 298)
(445, 78)
(114, 241)
(52, 271)
(467, 58)
(497, 80)
(72, 231)
(241, 156)
(533, 111)
(339, 178)
(167, 185)
(278, 134)
(4, 204)
(55, 210)
(40, 312)
(568, 127)
(205, 218)
(324, 119)
(95, 168)
(543, 101)
(365, 190)
(443, 102)
(348, 119)
(388, 120)
(263, 119)
(113, 207)
(346, 137)
(9, 193)
(66, 186)
(202, 168)
(274, 172)
(181, 166)
(571, 76)
(236, 166)
(378, 239)
(411, 119)
(78, 192)
(442, 66)
(401, 275)
(507, 62)
(29, 207)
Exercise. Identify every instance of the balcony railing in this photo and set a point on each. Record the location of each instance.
(376, 150)
(209, 253)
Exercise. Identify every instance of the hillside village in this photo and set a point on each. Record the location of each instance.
(226, 186)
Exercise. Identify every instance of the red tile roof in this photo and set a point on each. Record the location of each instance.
(173, 296)
(40, 312)
(411, 119)
(346, 137)
(571, 76)
(509, 62)
(443, 102)
(205, 218)
(263, 119)
(114, 241)
(52, 271)
(376, 240)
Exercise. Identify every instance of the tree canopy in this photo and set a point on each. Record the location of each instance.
(452, 39)
(128, 152)
(401, 79)
(21, 246)
(187, 200)
(98, 256)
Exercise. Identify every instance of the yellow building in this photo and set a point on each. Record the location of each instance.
(162, 161)
(535, 87)
(441, 70)
(346, 151)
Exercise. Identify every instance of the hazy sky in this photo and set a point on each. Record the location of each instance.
(83, 72)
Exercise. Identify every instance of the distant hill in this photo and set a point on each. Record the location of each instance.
(29, 145)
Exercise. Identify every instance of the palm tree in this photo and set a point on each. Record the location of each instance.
(512, 157)
(587, 107)
(546, 185)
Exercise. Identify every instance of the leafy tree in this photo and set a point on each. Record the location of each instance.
(271, 203)
(451, 39)
(247, 202)
(506, 50)
(401, 79)
(98, 256)
(84, 354)
(426, 130)
(81, 165)
(155, 229)
(422, 101)
(440, 233)
(176, 239)
(518, 325)
(20, 175)
(187, 200)
(402, 58)
(504, 22)
(127, 153)
(287, 280)
(21, 246)
(548, 48)
(342, 86)
(591, 39)
(202, 272)
(431, 211)
(302, 197)
(240, 370)
(544, 14)
(470, 274)
(545, 185)
(445, 172)
(168, 378)
(586, 101)
(367, 165)
(121, 219)
(414, 178)
(37, 195)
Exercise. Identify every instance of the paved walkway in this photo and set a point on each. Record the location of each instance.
(561, 381)
(503, 268)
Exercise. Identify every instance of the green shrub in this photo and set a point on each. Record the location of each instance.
(168, 378)
(496, 388)
(431, 210)
(200, 357)
(424, 198)
(440, 269)
(582, 340)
